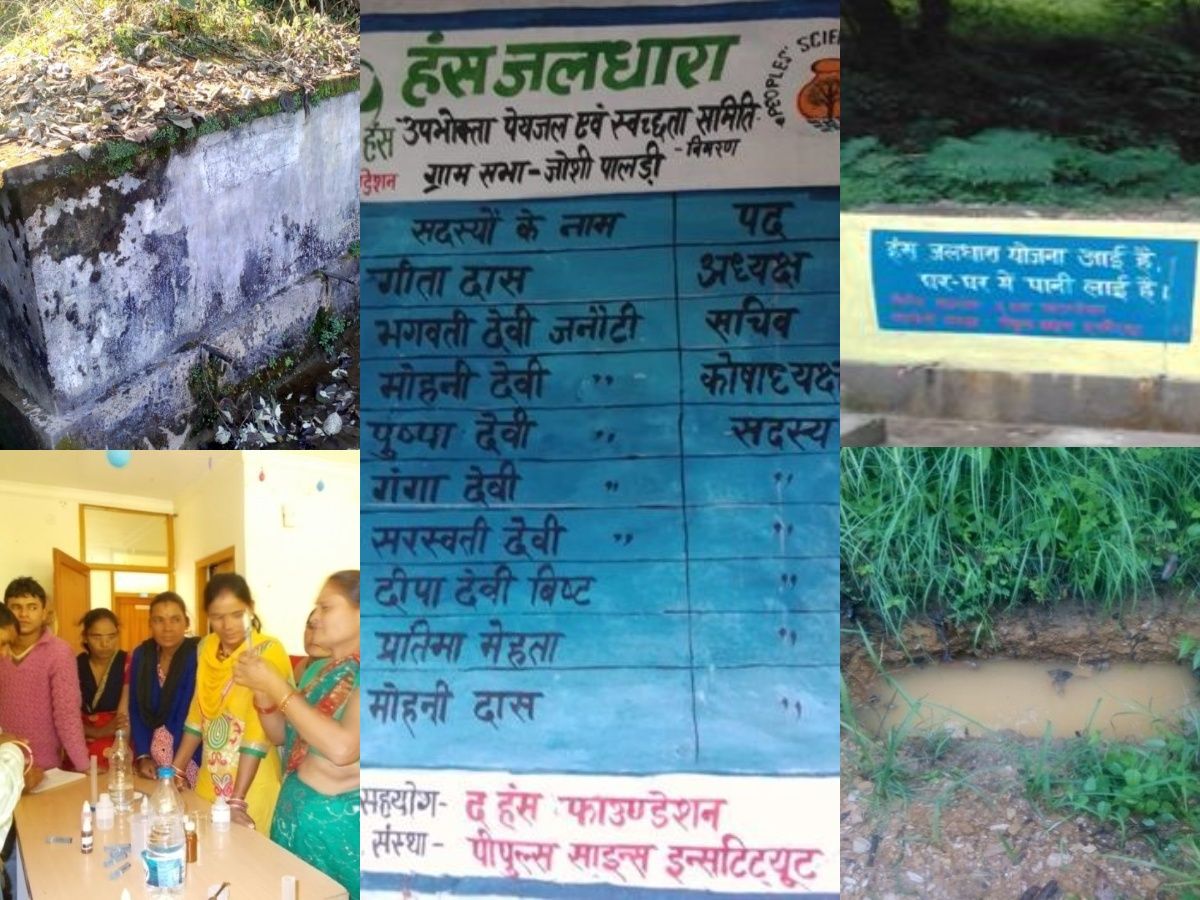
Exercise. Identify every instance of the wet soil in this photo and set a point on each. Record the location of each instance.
(1117, 700)
(968, 829)
(1147, 631)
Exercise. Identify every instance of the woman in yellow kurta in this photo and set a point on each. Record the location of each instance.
(238, 762)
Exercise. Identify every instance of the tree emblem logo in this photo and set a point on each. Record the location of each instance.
(820, 100)
(373, 101)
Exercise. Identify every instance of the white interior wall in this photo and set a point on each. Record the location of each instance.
(36, 519)
(209, 517)
(297, 535)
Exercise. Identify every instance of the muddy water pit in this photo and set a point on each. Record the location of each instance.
(1118, 700)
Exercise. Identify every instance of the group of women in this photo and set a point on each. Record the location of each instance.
(231, 717)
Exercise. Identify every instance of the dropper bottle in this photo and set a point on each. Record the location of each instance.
(86, 839)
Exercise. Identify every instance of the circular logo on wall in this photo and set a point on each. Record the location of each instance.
(804, 82)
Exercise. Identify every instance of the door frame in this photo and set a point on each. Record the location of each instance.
(116, 608)
(229, 554)
(65, 560)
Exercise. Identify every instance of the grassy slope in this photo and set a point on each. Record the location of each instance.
(971, 532)
(1078, 103)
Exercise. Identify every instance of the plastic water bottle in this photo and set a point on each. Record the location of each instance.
(120, 773)
(163, 858)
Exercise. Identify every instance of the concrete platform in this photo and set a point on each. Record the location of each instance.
(868, 430)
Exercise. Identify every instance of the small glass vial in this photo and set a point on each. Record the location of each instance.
(105, 813)
(189, 835)
(220, 815)
(86, 838)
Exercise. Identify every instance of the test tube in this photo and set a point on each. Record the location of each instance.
(94, 785)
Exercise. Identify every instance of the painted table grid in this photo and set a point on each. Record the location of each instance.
(600, 493)
(1038, 285)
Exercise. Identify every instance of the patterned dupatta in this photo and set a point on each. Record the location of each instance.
(326, 688)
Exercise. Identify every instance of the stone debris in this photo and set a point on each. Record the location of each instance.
(254, 420)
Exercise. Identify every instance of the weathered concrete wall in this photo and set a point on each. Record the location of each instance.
(24, 360)
(107, 276)
(935, 392)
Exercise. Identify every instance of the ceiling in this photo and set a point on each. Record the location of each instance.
(161, 474)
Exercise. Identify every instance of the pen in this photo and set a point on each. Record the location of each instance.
(117, 873)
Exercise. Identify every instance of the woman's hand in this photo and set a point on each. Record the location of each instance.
(240, 817)
(120, 720)
(254, 672)
(145, 768)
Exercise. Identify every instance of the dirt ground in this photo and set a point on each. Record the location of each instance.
(1145, 632)
(968, 829)
(969, 832)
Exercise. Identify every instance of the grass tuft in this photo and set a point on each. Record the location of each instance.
(969, 533)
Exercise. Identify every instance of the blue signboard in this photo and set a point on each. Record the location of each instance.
(1034, 285)
(602, 431)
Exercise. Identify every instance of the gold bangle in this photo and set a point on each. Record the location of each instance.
(287, 699)
(26, 753)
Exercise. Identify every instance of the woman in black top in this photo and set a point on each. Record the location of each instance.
(102, 683)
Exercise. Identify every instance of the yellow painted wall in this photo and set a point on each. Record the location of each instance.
(864, 342)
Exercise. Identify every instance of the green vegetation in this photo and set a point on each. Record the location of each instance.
(1133, 787)
(878, 758)
(327, 329)
(204, 384)
(1149, 790)
(1005, 166)
(972, 532)
(1078, 103)
(1189, 651)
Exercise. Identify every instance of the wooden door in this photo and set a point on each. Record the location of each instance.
(72, 597)
(214, 564)
(134, 612)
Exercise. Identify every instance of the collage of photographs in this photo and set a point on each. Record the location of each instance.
(535, 314)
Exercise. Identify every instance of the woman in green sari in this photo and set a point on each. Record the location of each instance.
(316, 816)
